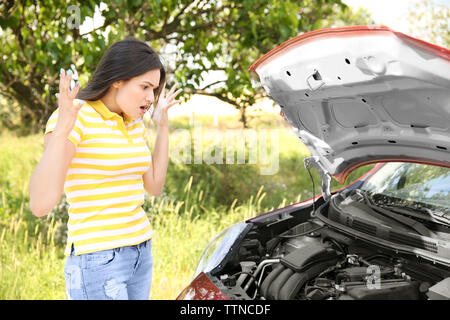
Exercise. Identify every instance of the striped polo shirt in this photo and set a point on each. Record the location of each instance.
(104, 185)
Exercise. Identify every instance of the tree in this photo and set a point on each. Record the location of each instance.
(35, 43)
(430, 22)
(199, 38)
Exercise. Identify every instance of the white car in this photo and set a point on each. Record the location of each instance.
(354, 96)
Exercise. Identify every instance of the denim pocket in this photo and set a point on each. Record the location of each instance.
(73, 282)
(98, 259)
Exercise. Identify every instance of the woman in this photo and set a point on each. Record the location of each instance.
(95, 152)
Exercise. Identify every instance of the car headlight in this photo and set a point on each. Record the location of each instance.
(218, 248)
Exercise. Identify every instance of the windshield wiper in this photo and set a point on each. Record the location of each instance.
(394, 214)
(430, 215)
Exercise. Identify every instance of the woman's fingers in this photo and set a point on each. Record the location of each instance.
(74, 91)
(64, 81)
(168, 101)
(172, 96)
(67, 82)
(78, 105)
(172, 89)
(172, 104)
(170, 93)
(66, 96)
(178, 92)
(62, 75)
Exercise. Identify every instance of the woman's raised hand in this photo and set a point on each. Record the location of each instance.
(160, 115)
(68, 111)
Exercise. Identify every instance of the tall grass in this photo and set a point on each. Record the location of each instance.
(31, 266)
(198, 202)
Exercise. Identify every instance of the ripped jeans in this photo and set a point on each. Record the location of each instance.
(123, 273)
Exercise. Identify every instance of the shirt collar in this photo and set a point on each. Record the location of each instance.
(100, 107)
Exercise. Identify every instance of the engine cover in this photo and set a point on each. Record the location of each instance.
(295, 269)
(302, 259)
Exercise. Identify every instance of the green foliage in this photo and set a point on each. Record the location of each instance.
(197, 39)
(31, 266)
(430, 22)
(34, 44)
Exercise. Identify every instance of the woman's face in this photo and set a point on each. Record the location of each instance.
(135, 95)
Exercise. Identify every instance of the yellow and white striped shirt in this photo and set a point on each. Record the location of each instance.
(104, 185)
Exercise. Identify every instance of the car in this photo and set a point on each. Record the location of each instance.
(355, 96)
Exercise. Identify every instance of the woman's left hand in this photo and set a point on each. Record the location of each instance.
(160, 115)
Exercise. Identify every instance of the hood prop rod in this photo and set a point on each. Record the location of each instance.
(324, 174)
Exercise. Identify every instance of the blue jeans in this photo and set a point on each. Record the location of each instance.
(123, 273)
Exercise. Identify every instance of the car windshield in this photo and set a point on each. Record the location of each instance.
(412, 184)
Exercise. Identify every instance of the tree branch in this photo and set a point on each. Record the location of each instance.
(211, 84)
(105, 24)
(218, 96)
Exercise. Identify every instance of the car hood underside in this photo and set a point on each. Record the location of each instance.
(362, 94)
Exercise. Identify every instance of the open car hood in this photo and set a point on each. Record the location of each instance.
(362, 94)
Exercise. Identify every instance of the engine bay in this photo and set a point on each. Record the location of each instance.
(299, 256)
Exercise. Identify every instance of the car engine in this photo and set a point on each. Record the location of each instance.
(312, 261)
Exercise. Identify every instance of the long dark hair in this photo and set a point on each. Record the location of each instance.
(123, 60)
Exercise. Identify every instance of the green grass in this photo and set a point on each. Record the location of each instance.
(198, 202)
(31, 266)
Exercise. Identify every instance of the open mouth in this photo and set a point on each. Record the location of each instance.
(144, 108)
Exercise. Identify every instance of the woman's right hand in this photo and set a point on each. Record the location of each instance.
(68, 111)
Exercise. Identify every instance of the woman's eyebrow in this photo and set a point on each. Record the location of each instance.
(151, 84)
